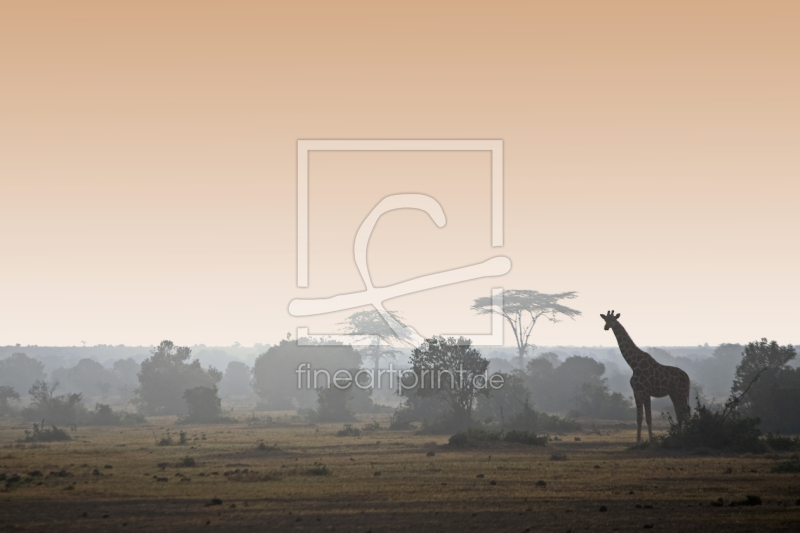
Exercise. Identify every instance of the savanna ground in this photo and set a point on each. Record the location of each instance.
(109, 479)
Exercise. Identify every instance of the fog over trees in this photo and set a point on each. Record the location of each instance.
(103, 383)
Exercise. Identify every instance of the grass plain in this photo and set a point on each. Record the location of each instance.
(281, 474)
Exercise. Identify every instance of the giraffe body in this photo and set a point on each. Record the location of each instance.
(650, 379)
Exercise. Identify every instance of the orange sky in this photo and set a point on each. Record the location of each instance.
(147, 164)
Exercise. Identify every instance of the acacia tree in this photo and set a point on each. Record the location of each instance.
(372, 323)
(522, 308)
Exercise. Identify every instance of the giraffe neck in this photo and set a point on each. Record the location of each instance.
(630, 352)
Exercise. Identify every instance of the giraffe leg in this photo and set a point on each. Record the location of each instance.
(639, 409)
(648, 415)
(680, 401)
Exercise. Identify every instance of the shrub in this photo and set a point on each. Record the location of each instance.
(558, 457)
(204, 406)
(779, 443)
(40, 434)
(595, 401)
(168, 440)
(715, 430)
(526, 437)
(399, 423)
(187, 462)
(319, 469)
(264, 447)
(63, 409)
(103, 415)
(528, 419)
(787, 467)
(333, 405)
(372, 426)
(474, 437)
(349, 431)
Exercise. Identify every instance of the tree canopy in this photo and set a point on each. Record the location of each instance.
(166, 375)
(523, 308)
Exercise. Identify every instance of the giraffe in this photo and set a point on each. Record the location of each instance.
(650, 378)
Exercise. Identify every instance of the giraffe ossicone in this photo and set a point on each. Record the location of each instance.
(650, 379)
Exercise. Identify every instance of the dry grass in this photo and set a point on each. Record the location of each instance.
(383, 481)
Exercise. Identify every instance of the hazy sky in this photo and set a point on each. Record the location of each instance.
(148, 164)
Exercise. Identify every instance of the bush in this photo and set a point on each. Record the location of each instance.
(187, 462)
(40, 434)
(479, 436)
(371, 426)
(319, 469)
(167, 440)
(526, 437)
(716, 430)
(595, 401)
(399, 423)
(349, 431)
(103, 415)
(779, 443)
(474, 437)
(528, 419)
(62, 410)
(333, 405)
(787, 467)
(204, 406)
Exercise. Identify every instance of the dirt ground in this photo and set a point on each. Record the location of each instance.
(305, 478)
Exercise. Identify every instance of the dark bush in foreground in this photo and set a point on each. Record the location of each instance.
(780, 443)
(41, 434)
(716, 430)
(787, 467)
(478, 436)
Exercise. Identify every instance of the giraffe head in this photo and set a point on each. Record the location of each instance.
(610, 318)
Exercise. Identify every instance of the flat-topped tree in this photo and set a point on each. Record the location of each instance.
(372, 323)
(522, 309)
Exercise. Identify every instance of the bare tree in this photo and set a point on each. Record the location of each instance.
(522, 309)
